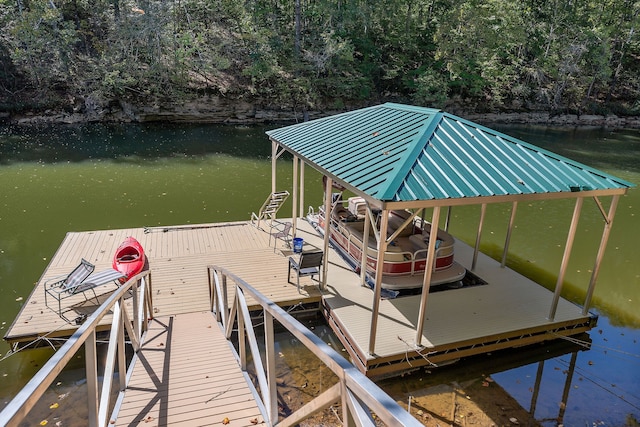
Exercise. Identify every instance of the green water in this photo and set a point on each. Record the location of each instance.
(73, 178)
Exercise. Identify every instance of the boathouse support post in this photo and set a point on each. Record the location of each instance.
(382, 248)
(483, 211)
(567, 387)
(274, 158)
(536, 388)
(301, 188)
(327, 231)
(294, 203)
(447, 219)
(428, 270)
(365, 245)
(507, 240)
(603, 245)
(91, 363)
(565, 258)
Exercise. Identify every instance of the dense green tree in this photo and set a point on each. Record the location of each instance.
(302, 54)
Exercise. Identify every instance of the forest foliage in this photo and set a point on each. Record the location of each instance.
(578, 56)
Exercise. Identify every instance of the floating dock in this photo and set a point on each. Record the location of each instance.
(178, 259)
(508, 311)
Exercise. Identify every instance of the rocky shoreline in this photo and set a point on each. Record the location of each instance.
(228, 111)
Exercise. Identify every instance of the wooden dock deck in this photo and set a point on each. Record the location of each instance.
(509, 311)
(173, 384)
(178, 259)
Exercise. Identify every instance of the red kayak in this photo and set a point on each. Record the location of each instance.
(129, 258)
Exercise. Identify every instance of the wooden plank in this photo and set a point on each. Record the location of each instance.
(187, 375)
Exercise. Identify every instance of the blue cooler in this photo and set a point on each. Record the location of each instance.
(297, 244)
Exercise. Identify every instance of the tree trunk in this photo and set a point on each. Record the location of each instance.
(116, 10)
(296, 45)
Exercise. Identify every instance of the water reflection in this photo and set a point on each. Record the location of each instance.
(560, 382)
(606, 149)
(128, 143)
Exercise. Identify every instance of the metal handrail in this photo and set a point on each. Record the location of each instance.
(359, 396)
(99, 403)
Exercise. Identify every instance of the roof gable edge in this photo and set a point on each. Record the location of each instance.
(543, 151)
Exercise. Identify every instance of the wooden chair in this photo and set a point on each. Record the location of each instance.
(309, 264)
(282, 234)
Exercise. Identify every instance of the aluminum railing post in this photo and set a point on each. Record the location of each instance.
(346, 418)
(147, 282)
(139, 286)
(242, 336)
(136, 311)
(91, 363)
(212, 290)
(122, 355)
(270, 354)
(110, 362)
(225, 301)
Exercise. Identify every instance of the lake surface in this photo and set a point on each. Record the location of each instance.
(57, 179)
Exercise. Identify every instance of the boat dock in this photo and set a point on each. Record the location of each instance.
(394, 157)
(508, 311)
(186, 372)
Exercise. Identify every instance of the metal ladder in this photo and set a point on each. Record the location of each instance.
(270, 207)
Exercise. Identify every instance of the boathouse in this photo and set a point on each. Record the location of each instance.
(399, 157)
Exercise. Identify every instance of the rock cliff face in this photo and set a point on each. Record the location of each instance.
(222, 110)
(202, 110)
(542, 118)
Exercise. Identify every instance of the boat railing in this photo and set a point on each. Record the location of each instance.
(357, 394)
(443, 250)
(138, 288)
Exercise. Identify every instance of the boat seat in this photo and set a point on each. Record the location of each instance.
(420, 241)
(393, 247)
(396, 220)
(357, 206)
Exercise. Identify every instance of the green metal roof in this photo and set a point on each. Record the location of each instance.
(395, 152)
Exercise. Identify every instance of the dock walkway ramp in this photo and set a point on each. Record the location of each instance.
(186, 374)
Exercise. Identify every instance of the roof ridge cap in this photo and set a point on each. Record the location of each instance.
(411, 156)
